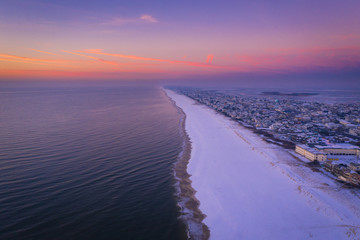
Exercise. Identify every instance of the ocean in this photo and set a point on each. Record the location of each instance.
(89, 163)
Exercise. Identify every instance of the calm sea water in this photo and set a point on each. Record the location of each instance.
(88, 163)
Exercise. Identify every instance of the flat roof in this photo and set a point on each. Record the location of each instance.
(338, 146)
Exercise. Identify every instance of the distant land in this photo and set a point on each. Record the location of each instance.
(288, 94)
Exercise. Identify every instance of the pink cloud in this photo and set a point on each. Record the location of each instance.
(148, 18)
(118, 21)
(346, 37)
(301, 58)
(209, 58)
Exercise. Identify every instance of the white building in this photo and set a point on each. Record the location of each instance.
(335, 152)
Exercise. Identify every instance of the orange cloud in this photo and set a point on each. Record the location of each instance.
(91, 57)
(22, 61)
(267, 61)
(188, 63)
(8, 57)
(50, 53)
(209, 58)
(100, 52)
(69, 74)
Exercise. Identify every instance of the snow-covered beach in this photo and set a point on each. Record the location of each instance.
(250, 189)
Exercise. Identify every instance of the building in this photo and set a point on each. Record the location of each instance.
(345, 152)
(340, 151)
(310, 153)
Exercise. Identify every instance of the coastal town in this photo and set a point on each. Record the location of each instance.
(326, 134)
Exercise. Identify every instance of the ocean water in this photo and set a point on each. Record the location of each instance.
(88, 163)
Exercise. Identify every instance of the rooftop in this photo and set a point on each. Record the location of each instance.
(338, 146)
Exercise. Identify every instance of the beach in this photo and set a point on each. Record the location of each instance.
(250, 189)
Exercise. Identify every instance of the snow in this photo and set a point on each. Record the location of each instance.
(250, 189)
(338, 146)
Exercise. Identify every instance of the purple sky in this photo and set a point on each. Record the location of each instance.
(168, 40)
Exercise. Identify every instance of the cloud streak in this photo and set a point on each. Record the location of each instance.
(12, 58)
(22, 61)
(148, 18)
(49, 53)
(346, 37)
(118, 21)
(133, 57)
(91, 57)
(268, 61)
(302, 58)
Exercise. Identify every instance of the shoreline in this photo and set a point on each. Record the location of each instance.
(186, 193)
(244, 183)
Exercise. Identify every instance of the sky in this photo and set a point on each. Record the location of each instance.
(262, 41)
